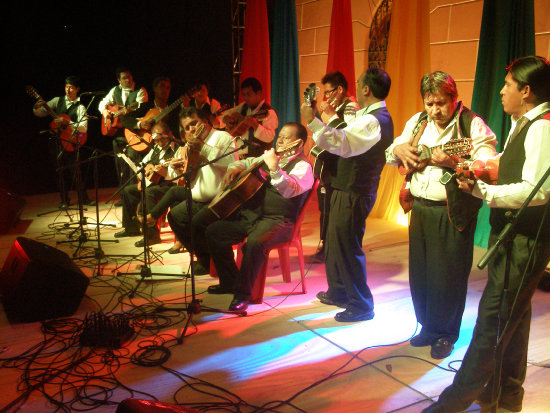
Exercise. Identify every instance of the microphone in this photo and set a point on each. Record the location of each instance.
(253, 144)
(98, 93)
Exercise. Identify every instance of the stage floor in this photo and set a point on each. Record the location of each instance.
(289, 348)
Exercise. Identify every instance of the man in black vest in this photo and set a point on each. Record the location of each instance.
(526, 97)
(266, 219)
(123, 94)
(360, 148)
(257, 118)
(164, 149)
(66, 105)
(198, 98)
(336, 110)
(440, 255)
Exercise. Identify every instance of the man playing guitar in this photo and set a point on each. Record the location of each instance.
(68, 105)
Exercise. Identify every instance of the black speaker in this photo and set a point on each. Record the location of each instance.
(12, 206)
(39, 282)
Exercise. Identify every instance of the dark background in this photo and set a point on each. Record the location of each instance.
(43, 44)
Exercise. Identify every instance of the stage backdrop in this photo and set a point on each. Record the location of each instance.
(507, 32)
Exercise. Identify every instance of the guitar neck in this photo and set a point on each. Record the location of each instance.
(168, 109)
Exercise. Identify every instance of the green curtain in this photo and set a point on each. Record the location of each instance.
(285, 87)
(507, 32)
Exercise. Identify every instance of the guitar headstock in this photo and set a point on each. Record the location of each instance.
(32, 92)
(310, 93)
(290, 149)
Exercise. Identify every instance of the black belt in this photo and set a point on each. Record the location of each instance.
(429, 202)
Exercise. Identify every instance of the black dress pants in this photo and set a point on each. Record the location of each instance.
(474, 378)
(131, 196)
(345, 259)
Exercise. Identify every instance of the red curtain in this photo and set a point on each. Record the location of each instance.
(255, 61)
(340, 49)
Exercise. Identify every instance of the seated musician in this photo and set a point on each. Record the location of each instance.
(204, 144)
(121, 96)
(253, 120)
(164, 149)
(177, 193)
(264, 220)
(66, 105)
(198, 97)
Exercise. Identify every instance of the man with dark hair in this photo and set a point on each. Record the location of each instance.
(253, 120)
(360, 149)
(526, 97)
(440, 253)
(59, 150)
(208, 144)
(266, 219)
(164, 149)
(336, 109)
(198, 97)
(122, 95)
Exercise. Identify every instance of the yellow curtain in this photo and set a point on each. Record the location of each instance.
(408, 59)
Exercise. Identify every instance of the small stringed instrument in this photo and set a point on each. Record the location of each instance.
(455, 147)
(61, 125)
(111, 123)
(237, 126)
(154, 173)
(484, 171)
(324, 166)
(189, 158)
(247, 183)
(140, 140)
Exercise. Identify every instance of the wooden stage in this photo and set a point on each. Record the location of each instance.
(287, 355)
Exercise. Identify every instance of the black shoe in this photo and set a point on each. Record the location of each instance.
(88, 202)
(324, 298)
(118, 203)
(350, 316)
(151, 240)
(238, 304)
(421, 340)
(127, 233)
(173, 250)
(218, 289)
(199, 269)
(441, 348)
(439, 407)
(318, 257)
(63, 205)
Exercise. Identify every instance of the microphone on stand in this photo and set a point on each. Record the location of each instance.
(98, 93)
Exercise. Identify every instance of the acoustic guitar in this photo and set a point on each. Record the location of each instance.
(247, 183)
(236, 124)
(140, 140)
(61, 125)
(484, 171)
(111, 123)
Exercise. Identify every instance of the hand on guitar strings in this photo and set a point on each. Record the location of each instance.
(230, 175)
(440, 158)
(408, 155)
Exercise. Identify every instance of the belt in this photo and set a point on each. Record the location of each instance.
(429, 202)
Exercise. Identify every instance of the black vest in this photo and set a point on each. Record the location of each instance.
(509, 172)
(255, 151)
(117, 96)
(72, 111)
(361, 174)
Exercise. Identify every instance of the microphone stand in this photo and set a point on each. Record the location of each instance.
(194, 307)
(506, 236)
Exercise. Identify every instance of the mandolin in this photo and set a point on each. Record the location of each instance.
(61, 125)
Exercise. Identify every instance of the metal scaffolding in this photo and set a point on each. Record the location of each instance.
(238, 8)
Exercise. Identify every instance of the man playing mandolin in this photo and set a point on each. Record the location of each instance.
(265, 219)
(440, 255)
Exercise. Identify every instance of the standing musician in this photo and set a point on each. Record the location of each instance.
(68, 105)
(208, 144)
(253, 120)
(198, 97)
(336, 110)
(121, 96)
(526, 97)
(440, 253)
(266, 219)
(164, 149)
(360, 149)
(161, 92)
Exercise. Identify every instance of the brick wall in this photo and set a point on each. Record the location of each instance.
(454, 36)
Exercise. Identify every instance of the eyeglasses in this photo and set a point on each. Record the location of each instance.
(328, 92)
